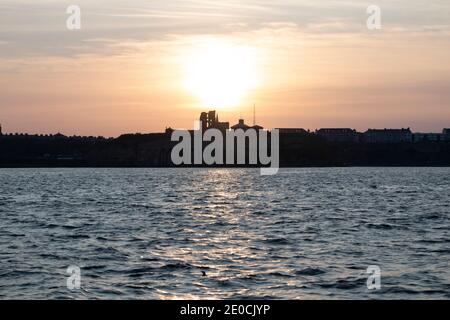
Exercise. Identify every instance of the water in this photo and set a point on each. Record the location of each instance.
(150, 233)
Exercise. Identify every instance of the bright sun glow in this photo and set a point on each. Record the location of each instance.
(220, 73)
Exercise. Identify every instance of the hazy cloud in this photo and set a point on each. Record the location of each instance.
(37, 28)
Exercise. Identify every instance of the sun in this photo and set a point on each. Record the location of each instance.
(220, 73)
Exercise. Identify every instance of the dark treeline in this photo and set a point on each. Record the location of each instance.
(153, 150)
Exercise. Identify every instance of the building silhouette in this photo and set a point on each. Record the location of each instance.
(300, 131)
(298, 147)
(240, 125)
(338, 134)
(427, 137)
(210, 120)
(388, 135)
(446, 134)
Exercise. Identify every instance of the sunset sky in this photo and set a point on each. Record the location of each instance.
(139, 66)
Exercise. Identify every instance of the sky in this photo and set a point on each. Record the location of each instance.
(142, 66)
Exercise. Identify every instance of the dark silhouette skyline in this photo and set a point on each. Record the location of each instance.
(298, 148)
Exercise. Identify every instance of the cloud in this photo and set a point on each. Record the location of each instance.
(37, 28)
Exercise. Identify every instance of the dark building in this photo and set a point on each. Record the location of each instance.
(240, 125)
(388, 135)
(338, 134)
(446, 134)
(427, 137)
(292, 131)
(256, 127)
(210, 120)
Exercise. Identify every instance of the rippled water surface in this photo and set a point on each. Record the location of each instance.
(151, 233)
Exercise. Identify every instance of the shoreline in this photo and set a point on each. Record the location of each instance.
(218, 167)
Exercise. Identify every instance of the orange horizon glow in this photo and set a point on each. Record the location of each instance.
(330, 72)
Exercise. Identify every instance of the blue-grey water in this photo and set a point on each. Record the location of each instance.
(150, 233)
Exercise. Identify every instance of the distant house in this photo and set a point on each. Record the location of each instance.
(59, 136)
(388, 135)
(338, 134)
(427, 137)
(446, 134)
(240, 125)
(292, 131)
(256, 127)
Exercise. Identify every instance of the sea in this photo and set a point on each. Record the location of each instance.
(179, 233)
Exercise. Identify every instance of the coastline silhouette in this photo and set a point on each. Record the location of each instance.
(298, 148)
